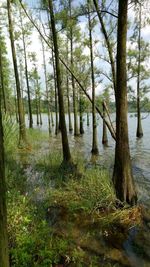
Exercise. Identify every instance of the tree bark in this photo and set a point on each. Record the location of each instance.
(68, 95)
(56, 96)
(22, 129)
(110, 128)
(26, 75)
(40, 110)
(46, 86)
(122, 175)
(4, 258)
(94, 124)
(65, 143)
(104, 138)
(139, 132)
(37, 107)
(81, 114)
(76, 127)
(108, 44)
(87, 118)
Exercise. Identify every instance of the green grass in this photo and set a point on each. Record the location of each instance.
(84, 198)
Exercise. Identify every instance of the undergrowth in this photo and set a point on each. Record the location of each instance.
(66, 226)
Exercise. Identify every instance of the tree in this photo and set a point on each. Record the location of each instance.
(139, 132)
(65, 144)
(25, 29)
(22, 129)
(109, 126)
(71, 35)
(104, 137)
(122, 174)
(108, 43)
(138, 66)
(94, 140)
(46, 86)
(4, 259)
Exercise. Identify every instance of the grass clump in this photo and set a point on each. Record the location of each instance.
(92, 190)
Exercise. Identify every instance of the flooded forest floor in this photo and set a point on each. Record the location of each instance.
(60, 216)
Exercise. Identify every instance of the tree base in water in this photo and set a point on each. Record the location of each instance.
(95, 151)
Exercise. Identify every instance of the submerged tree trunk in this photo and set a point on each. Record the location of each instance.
(22, 88)
(52, 119)
(56, 97)
(46, 86)
(69, 109)
(26, 76)
(39, 100)
(87, 118)
(109, 126)
(68, 95)
(22, 129)
(4, 258)
(139, 132)
(104, 138)
(37, 108)
(81, 114)
(122, 175)
(76, 127)
(94, 140)
(65, 143)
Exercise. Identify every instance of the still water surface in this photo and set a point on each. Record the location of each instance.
(140, 149)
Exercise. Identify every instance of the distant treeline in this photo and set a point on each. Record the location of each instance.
(145, 106)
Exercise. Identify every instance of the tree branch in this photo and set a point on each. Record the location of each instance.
(70, 71)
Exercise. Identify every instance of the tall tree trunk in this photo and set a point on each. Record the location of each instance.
(108, 44)
(39, 101)
(22, 129)
(109, 126)
(87, 118)
(68, 95)
(16, 106)
(52, 119)
(76, 127)
(37, 108)
(69, 109)
(122, 175)
(46, 86)
(65, 143)
(56, 97)
(94, 140)
(21, 85)
(4, 258)
(139, 132)
(104, 138)
(2, 81)
(81, 113)
(26, 75)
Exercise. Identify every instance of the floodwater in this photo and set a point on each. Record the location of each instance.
(140, 154)
(140, 148)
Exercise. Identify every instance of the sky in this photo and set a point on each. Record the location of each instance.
(36, 45)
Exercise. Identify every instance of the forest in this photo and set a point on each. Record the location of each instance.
(74, 133)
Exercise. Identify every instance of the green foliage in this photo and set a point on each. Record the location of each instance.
(10, 132)
(92, 190)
